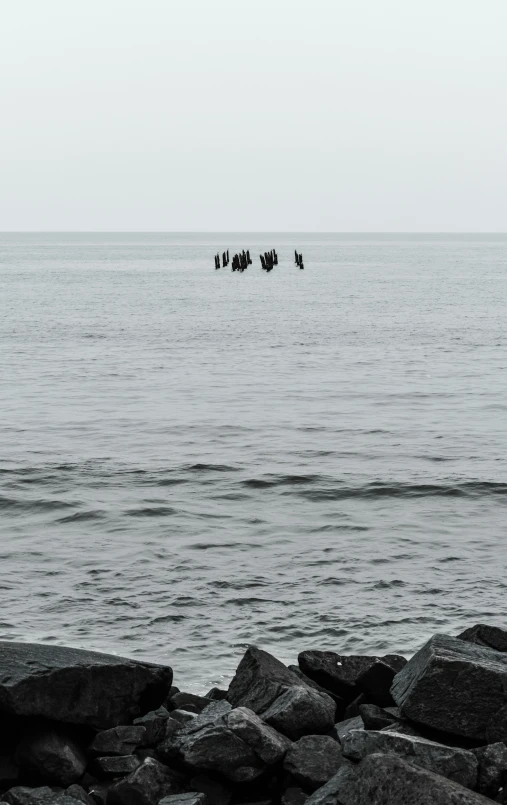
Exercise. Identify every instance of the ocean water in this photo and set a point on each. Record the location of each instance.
(194, 460)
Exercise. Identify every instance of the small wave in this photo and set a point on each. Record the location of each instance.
(34, 505)
(211, 468)
(151, 511)
(472, 489)
(81, 517)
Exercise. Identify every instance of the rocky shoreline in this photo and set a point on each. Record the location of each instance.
(78, 726)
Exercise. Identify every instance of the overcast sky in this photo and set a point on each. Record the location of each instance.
(313, 115)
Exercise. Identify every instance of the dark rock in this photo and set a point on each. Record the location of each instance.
(340, 703)
(99, 791)
(115, 765)
(182, 716)
(389, 780)
(265, 741)
(146, 786)
(352, 710)
(482, 635)
(341, 673)
(342, 729)
(216, 694)
(217, 791)
(118, 740)
(260, 679)
(21, 795)
(456, 764)
(492, 775)
(376, 718)
(301, 711)
(78, 687)
(155, 724)
(313, 760)
(455, 686)
(294, 796)
(143, 753)
(192, 798)
(77, 792)
(54, 756)
(180, 701)
(9, 769)
(375, 683)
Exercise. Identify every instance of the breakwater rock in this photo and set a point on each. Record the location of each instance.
(78, 726)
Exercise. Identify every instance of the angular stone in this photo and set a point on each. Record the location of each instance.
(483, 635)
(375, 683)
(55, 756)
(301, 711)
(180, 701)
(389, 780)
(146, 786)
(455, 686)
(352, 710)
(313, 760)
(260, 679)
(118, 740)
(155, 724)
(182, 716)
(492, 768)
(22, 795)
(294, 796)
(341, 673)
(77, 792)
(340, 702)
(192, 798)
(342, 728)
(115, 765)
(265, 741)
(455, 764)
(376, 718)
(216, 694)
(78, 687)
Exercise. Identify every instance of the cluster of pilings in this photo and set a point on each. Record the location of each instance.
(269, 260)
(225, 259)
(241, 261)
(298, 259)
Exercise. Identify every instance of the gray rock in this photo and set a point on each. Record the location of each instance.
(352, 710)
(340, 702)
(216, 694)
(182, 716)
(341, 674)
(155, 724)
(78, 687)
(265, 741)
(492, 768)
(455, 686)
(22, 795)
(260, 679)
(301, 711)
(455, 764)
(389, 780)
(342, 728)
(376, 718)
(99, 791)
(375, 683)
(313, 760)
(115, 765)
(180, 701)
(192, 798)
(118, 740)
(146, 786)
(482, 635)
(294, 796)
(77, 792)
(209, 715)
(55, 756)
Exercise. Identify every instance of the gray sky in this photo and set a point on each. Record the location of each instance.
(321, 115)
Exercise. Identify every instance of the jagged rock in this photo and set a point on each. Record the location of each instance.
(146, 786)
(342, 729)
(301, 711)
(118, 740)
(341, 673)
(156, 724)
(294, 796)
(352, 710)
(457, 687)
(22, 795)
(455, 764)
(77, 792)
(266, 742)
(482, 635)
(313, 760)
(78, 687)
(492, 768)
(55, 756)
(389, 780)
(375, 683)
(115, 765)
(181, 701)
(260, 679)
(182, 716)
(376, 718)
(192, 798)
(216, 694)
(340, 703)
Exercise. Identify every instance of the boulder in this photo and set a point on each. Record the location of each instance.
(342, 728)
(389, 780)
(260, 679)
(455, 764)
(115, 765)
(181, 701)
(52, 755)
(118, 740)
(352, 710)
(267, 743)
(218, 792)
(216, 694)
(192, 798)
(457, 687)
(482, 635)
(77, 792)
(301, 711)
(341, 674)
(78, 687)
(376, 718)
(146, 786)
(340, 702)
(313, 760)
(375, 683)
(183, 716)
(492, 775)
(156, 724)
(294, 796)
(21, 795)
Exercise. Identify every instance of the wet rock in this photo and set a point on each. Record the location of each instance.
(492, 775)
(146, 786)
(77, 792)
(294, 796)
(216, 694)
(181, 701)
(389, 780)
(22, 795)
(376, 718)
(192, 798)
(455, 764)
(54, 756)
(155, 724)
(78, 687)
(313, 760)
(118, 740)
(342, 729)
(482, 635)
(260, 679)
(115, 765)
(301, 711)
(455, 686)
(268, 744)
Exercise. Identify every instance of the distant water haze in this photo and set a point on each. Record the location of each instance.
(194, 460)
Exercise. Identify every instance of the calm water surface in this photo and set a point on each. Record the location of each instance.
(193, 460)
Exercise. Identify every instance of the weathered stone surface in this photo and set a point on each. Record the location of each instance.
(53, 755)
(181, 701)
(146, 786)
(22, 795)
(78, 687)
(339, 701)
(455, 686)
(265, 741)
(192, 798)
(294, 796)
(260, 679)
(340, 673)
(115, 765)
(389, 780)
(216, 694)
(492, 768)
(156, 724)
(77, 792)
(352, 710)
(342, 728)
(455, 764)
(313, 760)
(376, 718)
(483, 635)
(182, 716)
(118, 740)
(301, 711)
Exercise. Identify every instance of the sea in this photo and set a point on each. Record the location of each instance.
(195, 460)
